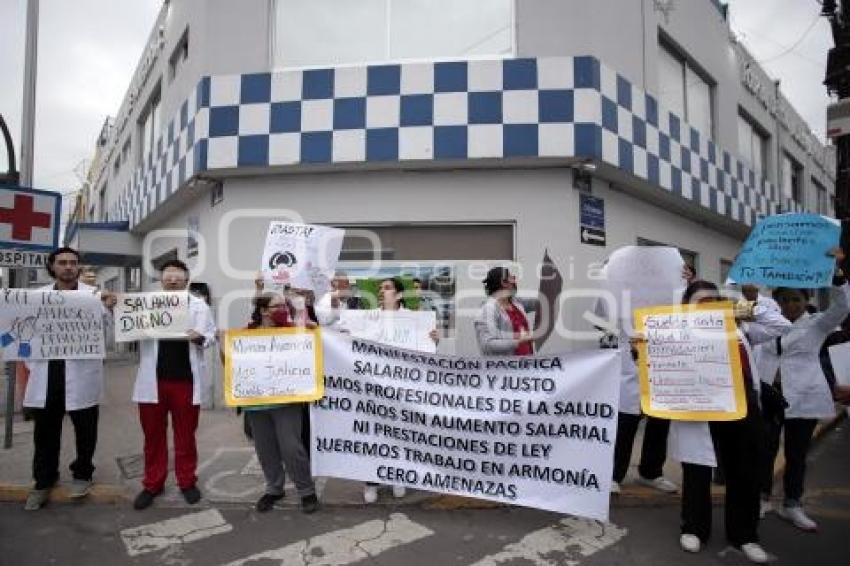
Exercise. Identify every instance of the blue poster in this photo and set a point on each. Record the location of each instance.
(788, 250)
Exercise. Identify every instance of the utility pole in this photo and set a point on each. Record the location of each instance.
(16, 276)
(837, 82)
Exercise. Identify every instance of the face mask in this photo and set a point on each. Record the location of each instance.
(298, 302)
(280, 316)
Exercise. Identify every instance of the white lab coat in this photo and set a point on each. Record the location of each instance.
(690, 441)
(629, 384)
(804, 385)
(201, 321)
(83, 378)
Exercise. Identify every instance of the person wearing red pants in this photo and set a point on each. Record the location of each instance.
(168, 382)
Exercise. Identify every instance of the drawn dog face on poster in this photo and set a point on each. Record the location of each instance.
(302, 256)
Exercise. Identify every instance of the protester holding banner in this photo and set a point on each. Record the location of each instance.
(738, 445)
(654, 444)
(169, 381)
(58, 386)
(340, 298)
(391, 298)
(502, 326)
(277, 430)
(793, 363)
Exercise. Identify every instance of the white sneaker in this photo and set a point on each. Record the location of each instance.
(798, 517)
(660, 483)
(79, 489)
(690, 543)
(615, 488)
(765, 507)
(755, 553)
(36, 499)
(399, 491)
(370, 493)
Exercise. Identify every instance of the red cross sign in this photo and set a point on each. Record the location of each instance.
(29, 219)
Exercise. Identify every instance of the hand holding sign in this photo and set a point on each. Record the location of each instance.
(155, 315)
(789, 250)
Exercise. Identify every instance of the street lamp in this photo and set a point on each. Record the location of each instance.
(10, 177)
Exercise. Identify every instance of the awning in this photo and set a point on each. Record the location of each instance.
(105, 243)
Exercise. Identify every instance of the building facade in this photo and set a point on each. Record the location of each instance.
(447, 137)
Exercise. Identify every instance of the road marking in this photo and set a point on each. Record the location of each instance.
(180, 530)
(564, 543)
(345, 546)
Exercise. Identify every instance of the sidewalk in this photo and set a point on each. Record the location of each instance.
(228, 471)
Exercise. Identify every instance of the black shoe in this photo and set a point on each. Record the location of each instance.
(191, 494)
(266, 502)
(309, 504)
(144, 500)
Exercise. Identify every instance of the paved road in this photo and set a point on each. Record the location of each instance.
(411, 535)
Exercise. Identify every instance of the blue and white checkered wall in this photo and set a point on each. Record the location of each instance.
(491, 109)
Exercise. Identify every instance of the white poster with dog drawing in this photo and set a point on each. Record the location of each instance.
(301, 256)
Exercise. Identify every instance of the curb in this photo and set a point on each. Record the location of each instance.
(631, 496)
(100, 493)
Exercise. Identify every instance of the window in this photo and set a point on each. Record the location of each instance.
(430, 242)
(125, 151)
(179, 55)
(822, 202)
(334, 32)
(424, 251)
(792, 179)
(752, 144)
(684, 91)
(102, 204)
(149, 127)
(725, 268)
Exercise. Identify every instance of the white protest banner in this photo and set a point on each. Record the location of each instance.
(301, 256)
(839, 355)
(644, 276)
(272, 365)
(690, 365)
(155, 315)
(51, 325)
(402, 328)
(532, 431)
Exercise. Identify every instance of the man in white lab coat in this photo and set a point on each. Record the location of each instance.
(59, 386)
(169, 381)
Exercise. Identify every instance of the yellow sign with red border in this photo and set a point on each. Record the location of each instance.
(689, 362)
(269, 366)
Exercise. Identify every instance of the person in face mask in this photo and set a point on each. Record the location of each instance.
(277, 429)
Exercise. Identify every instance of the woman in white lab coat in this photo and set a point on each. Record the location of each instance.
(738, 444)
(793, 363)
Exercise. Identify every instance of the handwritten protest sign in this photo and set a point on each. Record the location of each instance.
(160, 314)
(533, 431)
(690, 365)
(401, 328)
(301, 256)
(644, 276)
(51, 325)
(788, 250)
(272, 365)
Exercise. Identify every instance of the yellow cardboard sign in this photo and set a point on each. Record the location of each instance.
(268, 366)
(689, 364)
